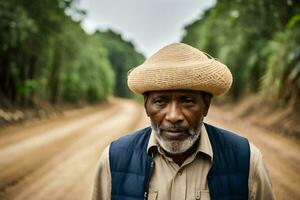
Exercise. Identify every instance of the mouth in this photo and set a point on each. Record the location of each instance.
(174, 134)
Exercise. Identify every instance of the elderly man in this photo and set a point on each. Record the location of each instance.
(180, 156)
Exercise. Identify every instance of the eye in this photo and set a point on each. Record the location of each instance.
(159, 102)
(187, 101)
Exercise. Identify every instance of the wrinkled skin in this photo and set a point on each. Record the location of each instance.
(176, 117)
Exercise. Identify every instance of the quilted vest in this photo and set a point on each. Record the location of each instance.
(131, 166)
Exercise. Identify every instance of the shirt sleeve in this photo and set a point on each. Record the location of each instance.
(102, 182)
(260, 186)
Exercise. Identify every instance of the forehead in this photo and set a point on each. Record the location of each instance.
(175, 93)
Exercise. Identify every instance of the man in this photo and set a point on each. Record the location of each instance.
(180, 157)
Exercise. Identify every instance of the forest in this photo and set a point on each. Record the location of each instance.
(260, 43)
(46, 56)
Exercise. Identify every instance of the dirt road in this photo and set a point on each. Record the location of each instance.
(55, 159)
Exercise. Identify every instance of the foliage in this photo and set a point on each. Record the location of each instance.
(45, 55)
(87, 73)
(283, 68)
(123, 57)
(258, 40)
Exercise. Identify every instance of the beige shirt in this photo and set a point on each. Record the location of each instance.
(189, 181)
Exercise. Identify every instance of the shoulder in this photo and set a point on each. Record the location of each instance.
(127, 151)
(256, 154)
(103, 161)
(129, 146)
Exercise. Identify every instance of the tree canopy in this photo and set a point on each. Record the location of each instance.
(123, 57)
(46, 56)
(258, 41)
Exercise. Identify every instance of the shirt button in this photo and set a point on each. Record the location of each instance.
(180, 173)
(198, 195)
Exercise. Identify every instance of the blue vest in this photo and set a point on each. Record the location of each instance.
(131, 166)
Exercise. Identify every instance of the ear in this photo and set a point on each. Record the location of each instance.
(207, 100)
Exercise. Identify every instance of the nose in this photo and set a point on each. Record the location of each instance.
(174, 113)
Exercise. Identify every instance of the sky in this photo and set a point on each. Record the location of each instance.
(148, 24)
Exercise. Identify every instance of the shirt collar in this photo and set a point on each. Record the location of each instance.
(204, 145)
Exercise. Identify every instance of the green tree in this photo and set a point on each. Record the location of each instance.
(45, 55)
(241, 34)
(123, 57)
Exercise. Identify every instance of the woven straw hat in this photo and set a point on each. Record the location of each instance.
(180, 66)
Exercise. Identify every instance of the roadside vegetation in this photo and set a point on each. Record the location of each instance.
(47, 59)
(260, 42)
(45, 56)
(122, 56)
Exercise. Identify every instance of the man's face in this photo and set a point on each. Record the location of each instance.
(176, 117)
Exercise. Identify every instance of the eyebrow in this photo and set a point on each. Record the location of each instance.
(160, 95)
(185, 94)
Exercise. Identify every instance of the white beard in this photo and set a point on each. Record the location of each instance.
(177, 146)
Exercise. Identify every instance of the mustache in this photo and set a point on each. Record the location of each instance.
(173, 127)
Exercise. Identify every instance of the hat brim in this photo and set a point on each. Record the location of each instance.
(209, 76)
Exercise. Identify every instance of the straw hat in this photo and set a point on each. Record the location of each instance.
(180, 66)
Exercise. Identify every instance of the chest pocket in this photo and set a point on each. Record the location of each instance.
(152, 196)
